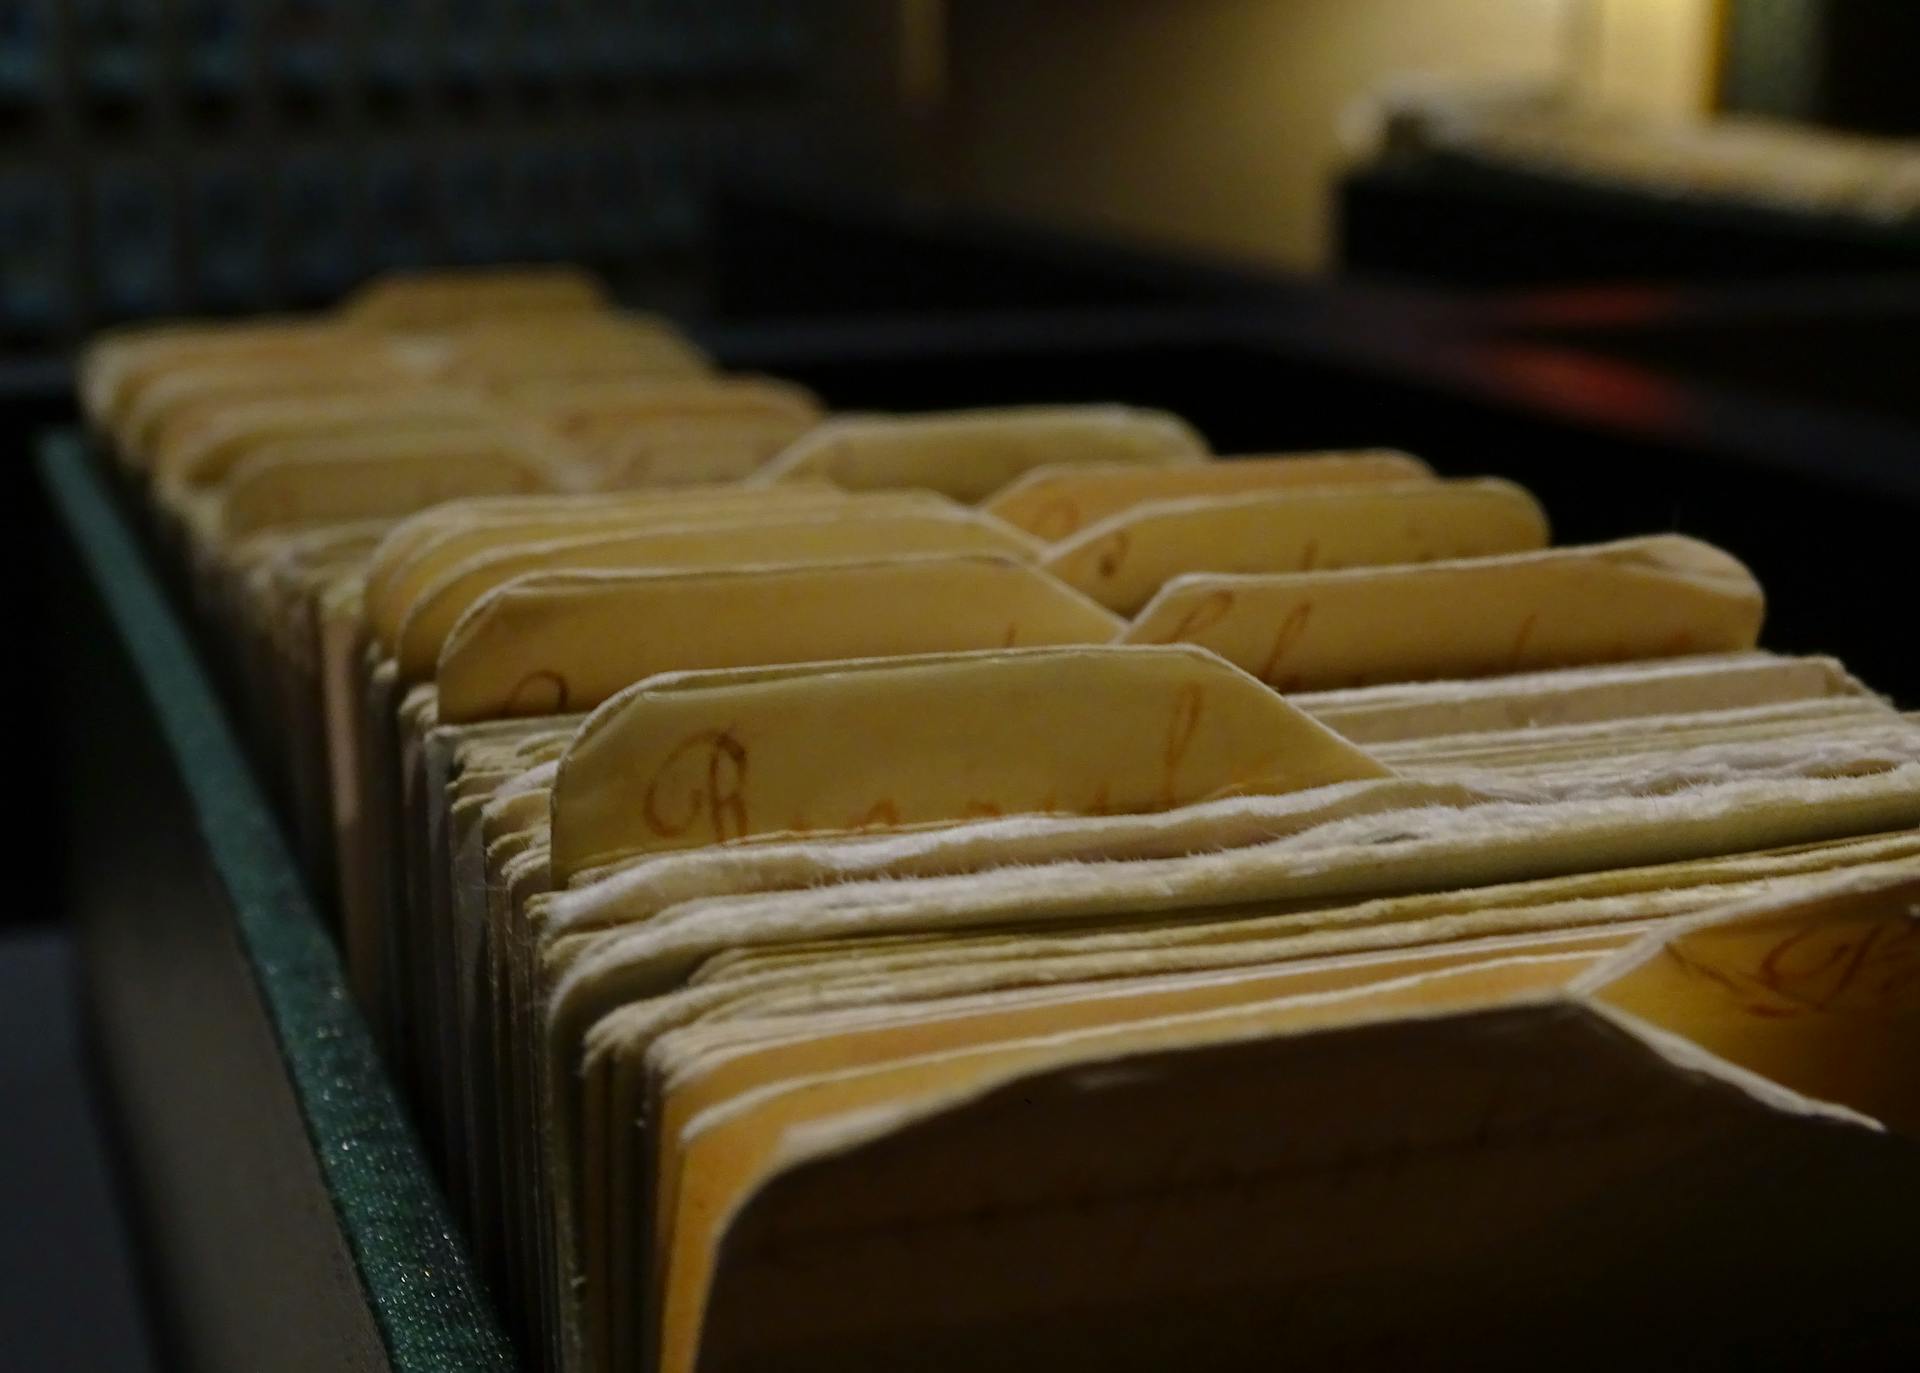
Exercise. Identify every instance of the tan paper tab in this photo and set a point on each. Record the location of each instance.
(215, 449)
(1059, 500)
(117, 372)
(719, 448)
(1124, 559)
(1656, 597)
(561, 641)
(305, 480)
(559, 345)
(598, 410)
(970, 454)
(687, 761)
(828, 535)
(184, 399)
(668, 432)
(427, 547)
(428, 300)
(1820, 992)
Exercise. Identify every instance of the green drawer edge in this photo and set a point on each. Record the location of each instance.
(432, 1311)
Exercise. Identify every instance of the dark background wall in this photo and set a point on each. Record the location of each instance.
(1842, 63)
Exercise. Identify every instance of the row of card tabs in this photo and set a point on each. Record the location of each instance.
(1015, 887)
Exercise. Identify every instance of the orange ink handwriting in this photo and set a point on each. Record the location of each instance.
(1284, 640)
(1859, 962)
(538, 693)
(1185, 722)
(1056, 519)
(1520, 638)
(705, 773)
(1856, 966)
(1207, 612)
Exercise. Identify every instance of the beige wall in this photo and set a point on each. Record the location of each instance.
(1656, 56)
(1215, 123)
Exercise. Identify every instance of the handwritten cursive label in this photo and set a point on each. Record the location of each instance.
(704, 776)
(1205, 613)
(1188, 702)
(1856, 966)
(1284, 641)
(539, 693)
(1055, 519)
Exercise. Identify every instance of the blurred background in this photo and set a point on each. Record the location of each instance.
(229, 155)
(1657, 259)
(738, 161)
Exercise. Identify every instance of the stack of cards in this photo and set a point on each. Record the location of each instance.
(1013, 887)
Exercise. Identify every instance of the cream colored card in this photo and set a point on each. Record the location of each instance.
(1662, 596)
(1057, 501)
(686, 760)
(971, 454)
(556, 641)
(1123, 560)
